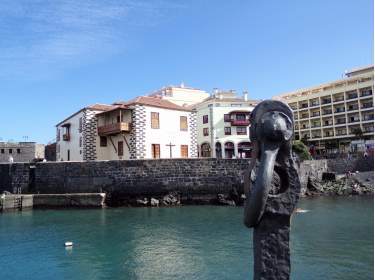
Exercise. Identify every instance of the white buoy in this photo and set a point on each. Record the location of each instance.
(68, 244)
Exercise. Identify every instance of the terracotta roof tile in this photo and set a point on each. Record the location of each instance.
(154, 102)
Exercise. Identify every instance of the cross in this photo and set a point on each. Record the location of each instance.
(170, 149)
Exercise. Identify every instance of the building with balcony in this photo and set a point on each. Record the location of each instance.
(223, 125)
(329, 116)
(76, 135)
(145, 127)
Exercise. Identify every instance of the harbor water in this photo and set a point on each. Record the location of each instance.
(333, 240)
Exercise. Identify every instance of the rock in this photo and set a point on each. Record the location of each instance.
(171, 199)
(154, 202)
(313, 185)
(329, 176)
(142, 202)
(223, 201)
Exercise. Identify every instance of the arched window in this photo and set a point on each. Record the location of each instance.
(229, 150)
(244, 149)
(205, 150)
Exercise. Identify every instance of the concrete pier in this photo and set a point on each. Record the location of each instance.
(14, 202)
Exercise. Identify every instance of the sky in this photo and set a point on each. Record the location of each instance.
(59, 56)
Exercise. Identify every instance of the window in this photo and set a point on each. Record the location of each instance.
(184, 151)
(154, 120)
(2, 151)
(118, 119)
(241, 131)
(205, 119)
(80, 125)
(155, 150)
(205, 131)
(227, 130)
(80, 141)
(120, 146)
(183, 123)
(240, 117)
(10, 151)
(18, 151)
(103, 141)
(226, 117)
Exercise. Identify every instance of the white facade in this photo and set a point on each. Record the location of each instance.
(168, 133)
(68, 136)
(181, 95)
(222, 138)
(76, 135)
(125, 131)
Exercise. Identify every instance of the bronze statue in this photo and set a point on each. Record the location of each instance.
(272, 188)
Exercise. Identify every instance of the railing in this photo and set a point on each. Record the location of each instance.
(327, 112)
(240, 122)
(115, 128)
(366, 93)
(352, 96)
(352, 108)
(367, 105)
(328, 101)
(338, 99)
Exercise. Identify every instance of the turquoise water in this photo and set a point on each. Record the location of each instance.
(332, 241)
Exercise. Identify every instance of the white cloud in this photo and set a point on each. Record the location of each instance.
(39, 35)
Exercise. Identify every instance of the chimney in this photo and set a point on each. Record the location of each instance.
(245, 95)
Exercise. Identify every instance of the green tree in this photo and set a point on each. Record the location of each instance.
(301, 150)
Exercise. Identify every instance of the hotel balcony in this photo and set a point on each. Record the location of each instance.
(115, 128)
(240, 118)
(240, 122)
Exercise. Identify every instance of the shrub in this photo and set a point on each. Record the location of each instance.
(301, 150)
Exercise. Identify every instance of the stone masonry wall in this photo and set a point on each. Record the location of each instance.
(189, 177)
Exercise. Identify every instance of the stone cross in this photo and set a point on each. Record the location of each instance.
(170, 148)
(272, 189)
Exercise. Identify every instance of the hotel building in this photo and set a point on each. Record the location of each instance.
(331, 117)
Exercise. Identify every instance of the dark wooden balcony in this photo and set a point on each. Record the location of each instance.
(115, 128)
(66, 137)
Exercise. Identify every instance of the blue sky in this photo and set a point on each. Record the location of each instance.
(58, 56)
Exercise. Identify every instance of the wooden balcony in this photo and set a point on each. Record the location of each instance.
(66, 137)
(115, 128)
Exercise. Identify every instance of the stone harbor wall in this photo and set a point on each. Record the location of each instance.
(192, 179)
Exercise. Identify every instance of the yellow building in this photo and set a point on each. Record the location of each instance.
(331, 117)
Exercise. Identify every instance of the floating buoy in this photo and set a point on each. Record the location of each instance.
(68, 244)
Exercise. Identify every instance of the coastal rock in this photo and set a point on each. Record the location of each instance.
(223, 201)
(171, 199)
(154, 202)
(142, 202)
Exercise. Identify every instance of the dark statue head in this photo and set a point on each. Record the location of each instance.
(272, 188)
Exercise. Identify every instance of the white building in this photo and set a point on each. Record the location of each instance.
(21, 151)
(223, 125)
(146, 127)
(181, 95)
(76, 135)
